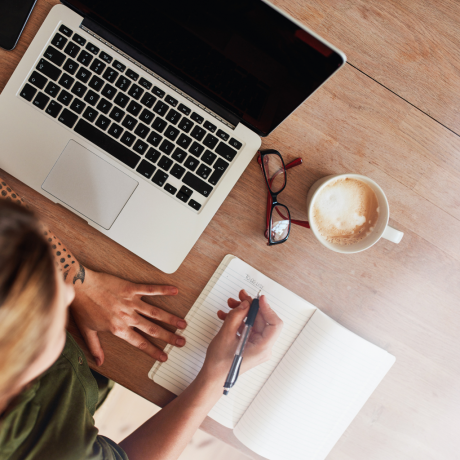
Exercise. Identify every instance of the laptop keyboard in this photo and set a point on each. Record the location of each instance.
(130, 118)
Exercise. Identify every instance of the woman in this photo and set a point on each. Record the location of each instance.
(48, 395)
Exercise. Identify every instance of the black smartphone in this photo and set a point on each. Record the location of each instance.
(14, 15)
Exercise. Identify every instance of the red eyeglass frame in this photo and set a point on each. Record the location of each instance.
(301, 223)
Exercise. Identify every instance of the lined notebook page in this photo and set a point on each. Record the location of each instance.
(184, 363)
(314, 394)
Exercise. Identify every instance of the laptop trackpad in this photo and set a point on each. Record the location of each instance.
(89, 184)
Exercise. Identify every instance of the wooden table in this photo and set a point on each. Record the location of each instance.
(391, 114)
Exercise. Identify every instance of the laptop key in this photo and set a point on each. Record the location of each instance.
(77, 106)
(135, 92)
(146, 84)
(146, 116)
(177, 171)
(65, 30)
(196, 149)
(119, 66)
(92, 48)
(59, 41)
(105, 57)
(38, 80)
(80, 40)
(64, 97)
(97, 66)
(185, 125)
(157, 91)
(171, 133)
(159, 125)
(129, 122)
(225, 151)
(53, 109)
(234, 143)
(148, 100)
(127, 138)
(66, 81)
(52, 89)
(121, 100)
(48, 69)
(219, 169)
(141, 130)
(210, 141)
(173, 116)
(222, 134)
(159, 178)
(79, 89)
(105, 142)
(209, 126)
(134, 108)
(131, 74)
(179, 155)
(41, 100)
(170, 100)
(108, 91)
(197, 184)
(103, 122)
(72, 49)
(92, 97)
(208, 157)
(146, 169)
(115, 130)
(184, 141)
(110, 75)
(165, 163)
(182, 197)
(84, 58)
(166, 147)
(55, 56)
(194, 204)
(68, 118)
(186, 191)
(153, 155)
(104, 106)
(154, 139)
(90, 114)
(169, 188)
(204, 171)
(198, 133)
(184, 109)
(161, 108)
(96, 83)
(70, 66)
(83, 74)
(117, 114)
(197, 118)
(140, 147)
(191, 163)
(123, 83)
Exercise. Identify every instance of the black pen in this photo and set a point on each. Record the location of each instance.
(235, 369)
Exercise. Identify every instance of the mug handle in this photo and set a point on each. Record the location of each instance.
(392, 235)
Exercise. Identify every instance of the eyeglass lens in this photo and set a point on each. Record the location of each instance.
(275, 172)
(280, 223)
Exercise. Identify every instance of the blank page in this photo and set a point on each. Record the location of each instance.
(184, 363)
(314, 394)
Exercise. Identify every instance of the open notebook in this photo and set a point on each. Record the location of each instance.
(298, 404)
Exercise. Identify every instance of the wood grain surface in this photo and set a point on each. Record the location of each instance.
(405, 297)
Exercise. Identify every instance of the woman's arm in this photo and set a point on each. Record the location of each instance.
(168, 432)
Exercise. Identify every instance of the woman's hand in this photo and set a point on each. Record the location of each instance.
(107, 303)
(266, 330)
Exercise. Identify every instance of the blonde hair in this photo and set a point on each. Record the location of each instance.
(27, 292)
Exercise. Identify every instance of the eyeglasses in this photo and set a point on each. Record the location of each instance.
(278, 216)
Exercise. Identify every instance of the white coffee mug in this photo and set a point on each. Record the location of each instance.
(382, 229)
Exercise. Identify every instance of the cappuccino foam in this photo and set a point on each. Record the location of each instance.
(345, 211)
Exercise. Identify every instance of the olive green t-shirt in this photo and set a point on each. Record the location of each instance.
(53, 418)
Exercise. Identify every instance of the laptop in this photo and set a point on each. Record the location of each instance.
(140, 116)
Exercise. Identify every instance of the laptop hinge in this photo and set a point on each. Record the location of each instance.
(142, 61)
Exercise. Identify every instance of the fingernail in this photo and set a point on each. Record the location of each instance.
(181, 324)
(244, 305)
(180, 342)
(163, 357)
(174, 290)
(98, 361)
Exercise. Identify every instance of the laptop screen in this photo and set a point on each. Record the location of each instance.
(242, 54)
